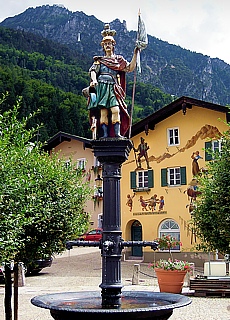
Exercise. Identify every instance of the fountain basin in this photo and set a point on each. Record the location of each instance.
(134, 305)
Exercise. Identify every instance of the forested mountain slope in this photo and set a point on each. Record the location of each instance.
(170, 68)
(50, 77)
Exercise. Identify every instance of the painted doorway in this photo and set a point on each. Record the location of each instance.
(136, 235)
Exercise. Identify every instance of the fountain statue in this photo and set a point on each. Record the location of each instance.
(111, 148)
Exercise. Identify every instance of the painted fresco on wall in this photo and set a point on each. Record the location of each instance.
(129, 201)
(206, 132)
(142, 150)
(195, 166)
(152, 204)
(192, 192)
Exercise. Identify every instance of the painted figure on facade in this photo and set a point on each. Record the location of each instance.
(142, 149)
(192, 192)
(162, 203)
(152, 202)
(129, 202)
(144, 204)
(195, 166)
(107, 103)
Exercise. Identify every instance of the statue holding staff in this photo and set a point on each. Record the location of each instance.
(107, 99)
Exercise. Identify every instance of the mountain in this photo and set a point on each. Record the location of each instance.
(172, 69)
(49, 78)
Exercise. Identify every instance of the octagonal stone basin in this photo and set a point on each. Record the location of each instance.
(134, 305)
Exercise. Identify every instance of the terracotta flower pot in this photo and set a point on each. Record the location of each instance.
(170, 280)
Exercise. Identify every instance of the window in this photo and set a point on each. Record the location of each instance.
(100, 220)
(97, 162)
(173, 176)
(216, 145)
(98, 191)
(67, 163)
(170, 227)
(210, 147)
(173, 137)
(81, 163)
(141, 180)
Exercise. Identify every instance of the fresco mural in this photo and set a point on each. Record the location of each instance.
(142, 149)
(155, 203)
(147, 204)
(129, 202)
(192, 192)
(207, 131)
(195, 166)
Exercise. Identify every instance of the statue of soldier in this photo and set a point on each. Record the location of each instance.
(107, 99)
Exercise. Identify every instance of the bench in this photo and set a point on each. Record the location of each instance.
(211, 287)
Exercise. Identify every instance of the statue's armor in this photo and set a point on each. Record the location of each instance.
(106, 75)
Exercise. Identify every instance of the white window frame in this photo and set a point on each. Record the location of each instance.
(174, 174)
(100, 220)
(98, 191)
(216, 146)
(97, 162)
(81, 163)
(142, 179)
(172, 228)
(173, 136)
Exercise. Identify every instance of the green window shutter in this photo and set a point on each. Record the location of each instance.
(133, 184)
(164, 182)
(150, 179)
(183, 175)
(208, 155)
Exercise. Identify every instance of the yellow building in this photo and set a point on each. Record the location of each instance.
(79, 151)
(157, 193)
(155, 200)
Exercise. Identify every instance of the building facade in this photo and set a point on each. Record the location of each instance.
(78, 150)
(160, 180)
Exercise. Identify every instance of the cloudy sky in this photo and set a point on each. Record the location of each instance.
(198, 25)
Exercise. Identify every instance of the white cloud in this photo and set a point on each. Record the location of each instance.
(197, 25)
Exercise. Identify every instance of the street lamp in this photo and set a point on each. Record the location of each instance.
(98, 182)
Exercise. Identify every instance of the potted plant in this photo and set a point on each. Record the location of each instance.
(170, 273)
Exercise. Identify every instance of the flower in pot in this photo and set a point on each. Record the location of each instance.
(170, 273)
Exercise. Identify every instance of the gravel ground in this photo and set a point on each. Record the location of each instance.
(81, 271)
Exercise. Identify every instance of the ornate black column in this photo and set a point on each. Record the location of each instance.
(111, 153)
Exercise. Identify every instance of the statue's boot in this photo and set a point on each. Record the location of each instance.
(105, 130)
(117, 130)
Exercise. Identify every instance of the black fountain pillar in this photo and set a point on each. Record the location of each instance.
(108, 304)
(111, 153)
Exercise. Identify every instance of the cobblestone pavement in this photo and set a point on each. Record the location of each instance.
(81, 271)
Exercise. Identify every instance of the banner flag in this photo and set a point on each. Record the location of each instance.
(142, 40)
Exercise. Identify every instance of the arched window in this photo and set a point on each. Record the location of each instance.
(171, 227)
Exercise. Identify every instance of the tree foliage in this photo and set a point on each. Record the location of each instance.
(211, 218)
(50, 77)
(41, 198)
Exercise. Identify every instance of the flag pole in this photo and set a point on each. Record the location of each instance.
(133, 93)
(141, 43)
(132, 105)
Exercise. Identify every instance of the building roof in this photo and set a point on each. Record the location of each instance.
(61, 137)
(181, 104)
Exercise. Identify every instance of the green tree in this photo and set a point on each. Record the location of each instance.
(211, 218)
(41, 197)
